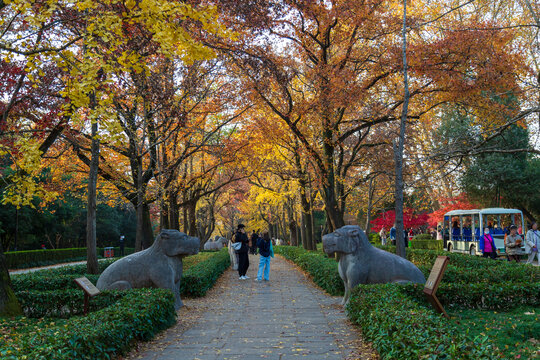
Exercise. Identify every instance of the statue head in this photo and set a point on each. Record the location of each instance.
(176, 243)
(345, 240)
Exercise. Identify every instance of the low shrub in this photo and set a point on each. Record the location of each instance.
(323, 270)
(62, 303)
(103, 334)
(36, 258)
(374, 238)
(425, 241)
(201, 276)
(401, 328)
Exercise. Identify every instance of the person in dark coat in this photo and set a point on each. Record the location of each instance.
(253, 248)
(265, 250)
(243, 257)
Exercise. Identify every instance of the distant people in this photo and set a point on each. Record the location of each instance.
(243, 257)
(439, 232)
(513, 244)
(487, 245)
(266, 253)
(393, 234)
(253, 248)
(43, 247)
(532, 242)
(122, 244)
(406, 238)
(456, 231)
(382, 234)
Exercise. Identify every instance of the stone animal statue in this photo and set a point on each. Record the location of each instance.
(233, 255)
(213, 245)
(362, 263)
(159, 266)
(221, 239)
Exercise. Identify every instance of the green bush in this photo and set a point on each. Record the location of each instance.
(323, 270)
(425, 241)
(35, 258)
(103, 334)
(62, 303)
(402, 328)
(374, 238)
(200, 277)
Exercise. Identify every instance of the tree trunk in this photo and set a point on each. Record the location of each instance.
(174, 216)
(192, 217)
(292, 230)
(148, 232)
(164, 215)
(398, 146)
(370, 206)
(9, 305)
(91, 252)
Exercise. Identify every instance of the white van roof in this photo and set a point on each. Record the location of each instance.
(487, 211)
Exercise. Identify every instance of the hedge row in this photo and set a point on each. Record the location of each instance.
(323, 270)
(200, 277)
(62, 303)
(35, 258)
(399, 327)
(483, 296)
(103, 334)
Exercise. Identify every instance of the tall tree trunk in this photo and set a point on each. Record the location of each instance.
(148, 232)
(91, 251)
(370, 205)
(398, 145)
(174, 216)
(9, 305)
(164, 214)
(303, 230)
(192, 216)
(139, 235)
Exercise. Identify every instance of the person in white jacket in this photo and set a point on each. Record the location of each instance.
(532, 242)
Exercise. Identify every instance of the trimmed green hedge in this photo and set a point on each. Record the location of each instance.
(35, 258)
(323, 270)
(199, 278)
(425, 241)
(63, 303)
(399, 327)
(103, 334)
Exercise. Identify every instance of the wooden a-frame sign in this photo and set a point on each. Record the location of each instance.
(433, 281)
(89, 290)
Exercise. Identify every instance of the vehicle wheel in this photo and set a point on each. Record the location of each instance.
(472, 250)
(450, 247)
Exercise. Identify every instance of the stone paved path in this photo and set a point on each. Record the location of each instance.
(285, 318)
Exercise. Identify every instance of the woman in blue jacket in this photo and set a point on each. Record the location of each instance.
(265, 251)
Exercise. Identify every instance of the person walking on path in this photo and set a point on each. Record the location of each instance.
(532, 242)
(254, 238)
(393, 234)
(265, 250)
(382, 234)
(513, 244)
(243, 257)
(487, 245)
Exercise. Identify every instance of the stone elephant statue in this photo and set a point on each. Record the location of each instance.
(362, 263)
(159, 266)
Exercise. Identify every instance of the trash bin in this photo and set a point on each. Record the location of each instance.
(109, 252)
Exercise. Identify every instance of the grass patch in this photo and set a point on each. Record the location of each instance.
(515, 334)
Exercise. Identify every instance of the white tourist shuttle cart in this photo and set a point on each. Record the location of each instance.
(462, 228)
